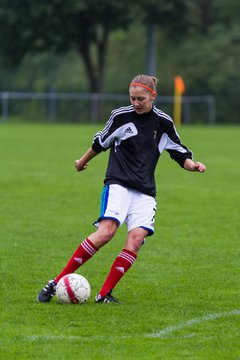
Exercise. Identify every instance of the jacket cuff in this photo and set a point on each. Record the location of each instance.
(182, 161)
(97, 148)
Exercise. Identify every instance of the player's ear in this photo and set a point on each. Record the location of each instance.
(154, 95)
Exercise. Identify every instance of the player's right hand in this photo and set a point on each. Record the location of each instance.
(79, 165)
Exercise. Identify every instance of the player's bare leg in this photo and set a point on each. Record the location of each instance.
(105, 232)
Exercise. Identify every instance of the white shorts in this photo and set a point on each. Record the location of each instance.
(126, 205)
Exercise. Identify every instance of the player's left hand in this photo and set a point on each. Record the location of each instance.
(191, 165)
(199, 167)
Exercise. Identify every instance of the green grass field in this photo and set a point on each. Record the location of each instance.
(182, 295)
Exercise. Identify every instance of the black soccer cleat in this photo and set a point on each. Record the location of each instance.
(108, 298)
(47, 292)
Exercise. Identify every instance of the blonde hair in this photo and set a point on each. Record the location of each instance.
(147, 80)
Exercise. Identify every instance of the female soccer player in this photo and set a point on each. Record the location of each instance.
(136, 136)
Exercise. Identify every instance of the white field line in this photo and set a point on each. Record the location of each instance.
(159, 334)
(205, 318)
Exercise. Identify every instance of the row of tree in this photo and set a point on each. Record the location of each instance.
(115, 39)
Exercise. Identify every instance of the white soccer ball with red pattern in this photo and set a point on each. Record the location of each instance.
(73, 288)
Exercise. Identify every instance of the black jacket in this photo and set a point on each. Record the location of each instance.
(136, 143)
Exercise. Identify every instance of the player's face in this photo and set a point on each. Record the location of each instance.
(141, 99)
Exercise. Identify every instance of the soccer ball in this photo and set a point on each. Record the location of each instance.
(73, 288)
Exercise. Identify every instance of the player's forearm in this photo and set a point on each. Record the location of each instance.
(82, 163)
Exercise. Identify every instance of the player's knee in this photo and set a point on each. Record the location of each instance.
(106, 236)
(135, 239)
(106, 231)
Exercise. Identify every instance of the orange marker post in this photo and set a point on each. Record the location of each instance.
(179, 88)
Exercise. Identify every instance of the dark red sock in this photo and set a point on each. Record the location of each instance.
(83, 253)
(121, 265)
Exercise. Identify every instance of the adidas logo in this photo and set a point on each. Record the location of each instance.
(79, 260)
(121, 269)
(128, 131)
